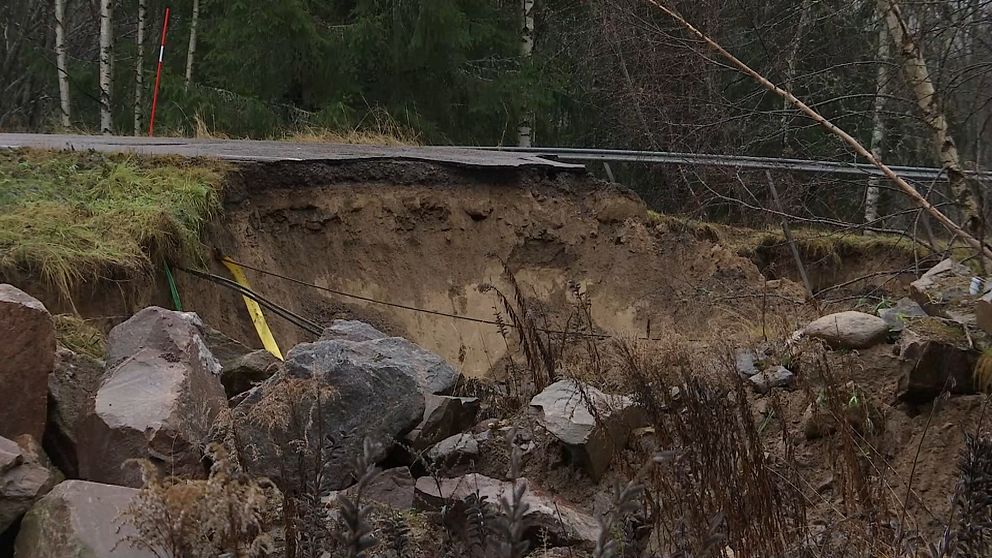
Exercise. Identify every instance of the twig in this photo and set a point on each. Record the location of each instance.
(901, 183)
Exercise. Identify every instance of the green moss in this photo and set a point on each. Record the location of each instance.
(67, 217)
(939, 330)
(814, 244)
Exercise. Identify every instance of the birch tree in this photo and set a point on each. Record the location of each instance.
(139, 78)
(106, 69)
(878, 108)
(914, 67)
(191, 52)
(525, 131)
(61, 64)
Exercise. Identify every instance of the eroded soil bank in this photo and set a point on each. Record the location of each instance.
(426, 236)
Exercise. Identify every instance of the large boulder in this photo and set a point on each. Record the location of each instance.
(80, 519)
(546, 518)
(432, 373)
(326, 394)
(25, 476)
(244, 372)
(27, 356)
(444, 416)
(157, 400)
(849, 330)
(351, 330)
(944, 289)
(72, 389)
(935, 357)
(592, 425)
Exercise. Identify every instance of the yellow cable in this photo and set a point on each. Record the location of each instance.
(254, 310)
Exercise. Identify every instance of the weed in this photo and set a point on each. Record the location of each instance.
(226, 514)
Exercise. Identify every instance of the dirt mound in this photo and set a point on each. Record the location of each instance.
(425, 236)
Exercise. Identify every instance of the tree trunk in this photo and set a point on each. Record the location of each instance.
(914, 66)
(191, 52)
(790, 67)
(877, 119)
(106, 56)
(139, 77)
(525, 131)
(60, 63)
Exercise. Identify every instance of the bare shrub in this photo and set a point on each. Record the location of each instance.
(714, 487)
(228, 514)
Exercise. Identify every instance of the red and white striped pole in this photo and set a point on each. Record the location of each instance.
(158, 74)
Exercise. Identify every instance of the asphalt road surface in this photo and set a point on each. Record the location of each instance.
(249, 150)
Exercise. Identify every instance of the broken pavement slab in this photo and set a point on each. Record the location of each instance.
(592, 425)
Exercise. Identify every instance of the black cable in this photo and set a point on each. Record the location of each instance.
(427, 311)
(295, 319)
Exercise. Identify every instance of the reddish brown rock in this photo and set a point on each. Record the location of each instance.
(157, 400)
(72, 388)
(27, 355)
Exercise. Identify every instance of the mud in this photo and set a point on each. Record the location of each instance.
(428, 236)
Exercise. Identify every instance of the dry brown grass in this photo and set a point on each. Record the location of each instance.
(226, 514)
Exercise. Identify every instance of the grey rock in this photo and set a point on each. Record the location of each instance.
(80, 519)
(351, 330)
(569, 411)
(245, 371)
(444, 416)
(930, 366)
(157, 400)
(72, 389)
(351, 398)
(25, 475)
(942, 287)
(27, 356)
(432, 373)
(459, 448)
(903, 310)
(775, 377)
(849, 330)
(227, 351)
(546, 517)
(746, 362)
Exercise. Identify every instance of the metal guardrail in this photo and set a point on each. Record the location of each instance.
(733, 161)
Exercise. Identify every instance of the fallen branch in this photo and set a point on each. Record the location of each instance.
(904, 186)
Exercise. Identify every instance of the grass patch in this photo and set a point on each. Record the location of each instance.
(67, 217)
(393, 137)
(813, 243)
(79, 336)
